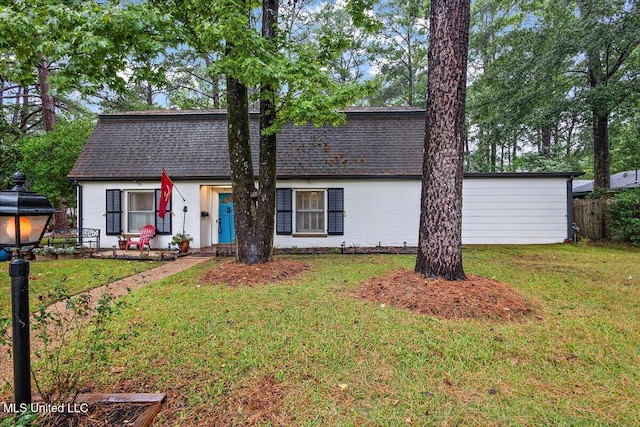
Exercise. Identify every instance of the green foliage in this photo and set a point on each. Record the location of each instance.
(47, 159)
(548, 66)
(624, 214)
(24, 419)
(74, 341)
(181, 237)
(399, 52)
(90, 42)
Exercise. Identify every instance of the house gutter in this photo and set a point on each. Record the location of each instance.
(79, 195)
(570, 233)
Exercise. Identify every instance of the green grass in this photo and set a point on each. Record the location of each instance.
(76, 275)
(344, 361)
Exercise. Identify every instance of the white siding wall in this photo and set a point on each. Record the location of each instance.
(386, 212)
(375, 211)
(514, 210)
(94, 209)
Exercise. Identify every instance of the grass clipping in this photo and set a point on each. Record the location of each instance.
(476, 297)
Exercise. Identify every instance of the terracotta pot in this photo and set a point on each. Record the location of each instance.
(184, 246)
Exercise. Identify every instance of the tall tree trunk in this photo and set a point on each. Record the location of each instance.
(215, 83)
(254, 209)
(242, 178)
(493, 156)
(440, 237)
(47, 100)
(268, 164)
(546, 141)
(149, 90)
(601, 158)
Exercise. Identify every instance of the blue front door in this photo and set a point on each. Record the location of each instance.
(226, 227)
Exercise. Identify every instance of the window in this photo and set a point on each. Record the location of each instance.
(310, 212)
(140, 210)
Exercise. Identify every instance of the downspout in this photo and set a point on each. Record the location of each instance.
(79, 209)
(570, 210)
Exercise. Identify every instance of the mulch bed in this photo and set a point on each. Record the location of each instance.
(98, 415)
(235, 274)
(477, 297)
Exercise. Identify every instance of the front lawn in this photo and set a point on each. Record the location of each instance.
(76, 275)
(307, 352)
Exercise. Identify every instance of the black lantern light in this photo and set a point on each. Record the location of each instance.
(24, 216)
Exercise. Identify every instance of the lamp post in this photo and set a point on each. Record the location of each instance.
(23, 218)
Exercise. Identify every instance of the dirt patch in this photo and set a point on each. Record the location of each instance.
(476, 297)
(260, 402)
(234, 273)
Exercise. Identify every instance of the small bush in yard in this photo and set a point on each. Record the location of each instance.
(624, 214)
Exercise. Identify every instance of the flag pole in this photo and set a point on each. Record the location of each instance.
(184, 207)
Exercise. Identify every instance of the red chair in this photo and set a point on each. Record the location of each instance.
(147, 233)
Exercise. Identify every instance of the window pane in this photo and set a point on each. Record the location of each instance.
(310, 212)
(141, 210)
(141, 201)
(137, 220)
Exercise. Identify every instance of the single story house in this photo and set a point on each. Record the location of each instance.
(354, 184)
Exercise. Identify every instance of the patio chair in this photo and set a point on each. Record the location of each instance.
(146, 234)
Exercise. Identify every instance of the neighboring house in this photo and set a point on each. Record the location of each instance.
(619, 181)
(354, 184)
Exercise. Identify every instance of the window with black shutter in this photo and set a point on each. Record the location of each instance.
(283, 211)
(114, 212)
(335, 211)
(163, 226)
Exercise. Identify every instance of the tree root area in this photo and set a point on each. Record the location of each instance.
(235, 274)
(476, 297)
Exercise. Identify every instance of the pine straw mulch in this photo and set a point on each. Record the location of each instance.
(98, 415)
(477, 297)
(236, 274)
(255, 401)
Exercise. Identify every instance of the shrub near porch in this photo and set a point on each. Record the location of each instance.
(326, 357)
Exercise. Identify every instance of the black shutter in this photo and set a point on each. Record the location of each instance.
(283, 211)
(114, 212)
(163, 226)
(335, 212)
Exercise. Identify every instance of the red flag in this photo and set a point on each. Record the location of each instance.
(166, 187)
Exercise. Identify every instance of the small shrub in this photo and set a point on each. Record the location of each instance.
(74, 342)
(624, 214)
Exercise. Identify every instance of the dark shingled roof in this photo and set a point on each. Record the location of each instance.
(374, 142)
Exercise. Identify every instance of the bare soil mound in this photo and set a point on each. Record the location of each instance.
(234, 273)
(476, 297)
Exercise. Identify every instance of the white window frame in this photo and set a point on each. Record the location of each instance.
(294, 219)
(127, 209)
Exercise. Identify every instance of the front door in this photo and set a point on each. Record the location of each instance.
(226, 227)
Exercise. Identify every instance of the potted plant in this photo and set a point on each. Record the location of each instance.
(122, 242)
(182, 240)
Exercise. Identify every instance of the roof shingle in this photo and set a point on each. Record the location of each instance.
(193, 145)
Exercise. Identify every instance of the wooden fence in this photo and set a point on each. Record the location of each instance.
(589, 215)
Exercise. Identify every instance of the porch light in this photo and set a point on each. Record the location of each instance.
(23, 218)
